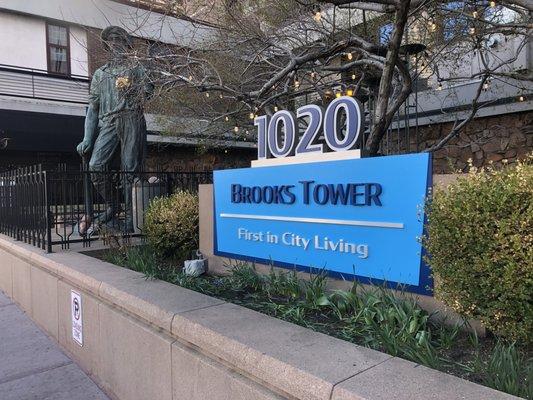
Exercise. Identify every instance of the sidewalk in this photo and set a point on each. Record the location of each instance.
(32, 367)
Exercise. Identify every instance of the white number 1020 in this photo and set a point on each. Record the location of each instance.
(279, 136)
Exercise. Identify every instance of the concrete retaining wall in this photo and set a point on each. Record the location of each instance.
(148, 340)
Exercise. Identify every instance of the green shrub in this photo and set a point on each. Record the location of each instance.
(171, 224)
(480, 245)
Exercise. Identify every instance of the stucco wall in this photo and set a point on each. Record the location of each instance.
(23, 41)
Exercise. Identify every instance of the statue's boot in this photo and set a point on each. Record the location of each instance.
(105, 216)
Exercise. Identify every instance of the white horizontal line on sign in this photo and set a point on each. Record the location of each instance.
(375, 224)
(308, 158)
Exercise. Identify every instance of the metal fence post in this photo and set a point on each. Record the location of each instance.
(48, 215)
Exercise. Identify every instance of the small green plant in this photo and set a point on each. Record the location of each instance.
(283, 285)
(142, 259)
(171, 225)
(480, 245)
(244, 277)
(510, 371)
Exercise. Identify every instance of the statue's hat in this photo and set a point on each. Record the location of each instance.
(116, 31)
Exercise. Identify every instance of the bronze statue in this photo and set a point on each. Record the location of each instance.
(115, 129)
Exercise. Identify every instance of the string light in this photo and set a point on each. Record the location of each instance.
(317, 15)
(349, 92)
(353, 77)
(349, 56)
(227, 118)
(521, 98)
(338, 94)
(492, 4)
(276, 108)
(236, 129)
(221, 96)
(206, 94)
(433, 26)
(296, 83)
(252, 115)
(313, 74)
(474, 14)
(472, 31)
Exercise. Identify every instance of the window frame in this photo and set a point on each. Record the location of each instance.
(48, 45)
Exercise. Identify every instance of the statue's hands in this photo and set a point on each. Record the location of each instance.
(84, 148)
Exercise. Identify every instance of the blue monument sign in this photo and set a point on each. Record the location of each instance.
(359, 218)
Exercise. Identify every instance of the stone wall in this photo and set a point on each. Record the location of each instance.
(188, 158)
(484, 140)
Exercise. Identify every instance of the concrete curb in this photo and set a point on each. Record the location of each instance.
(151, 339)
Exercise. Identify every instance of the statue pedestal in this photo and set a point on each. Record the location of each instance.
(142, 193)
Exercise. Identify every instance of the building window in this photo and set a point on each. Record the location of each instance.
(455, 23)
(58, 49)
(385, 33)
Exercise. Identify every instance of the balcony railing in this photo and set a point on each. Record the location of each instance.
(39, 84)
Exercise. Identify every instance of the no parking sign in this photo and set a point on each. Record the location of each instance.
(77, 321)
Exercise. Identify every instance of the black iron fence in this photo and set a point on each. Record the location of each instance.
(61, 207)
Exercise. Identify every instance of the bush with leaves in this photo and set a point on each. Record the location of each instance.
(480, 245)
(171, 224)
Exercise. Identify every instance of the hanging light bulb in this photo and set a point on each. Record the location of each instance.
(227, 118)
(252, 115)
(349, 92)
(226, 151)
(236, 129)
(349, 56)
(353, 77)
(338, 94)
(492, 4)
(221, 96)
(276, 109)
(521, 98)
